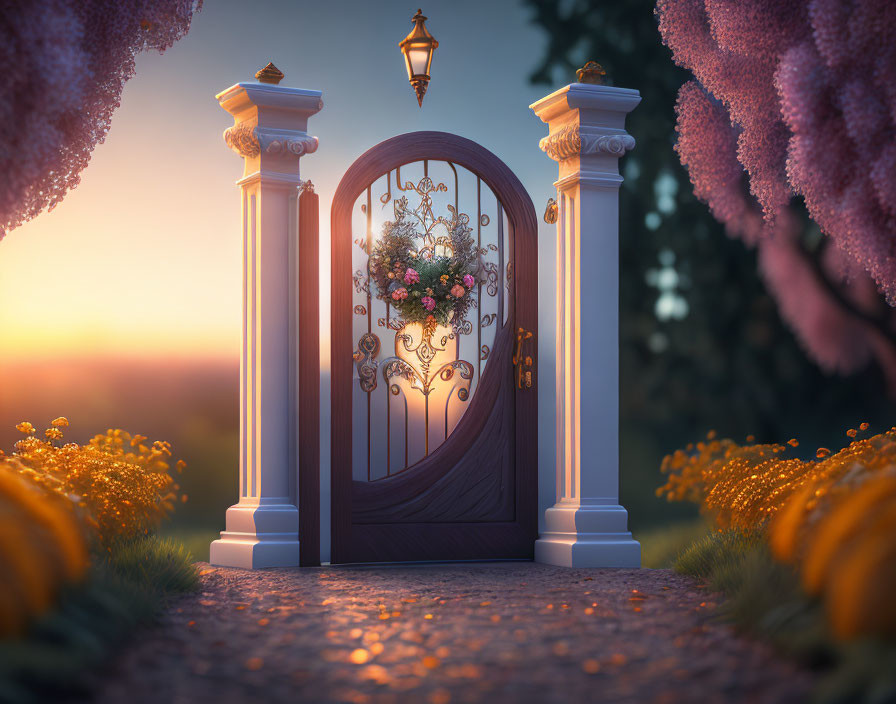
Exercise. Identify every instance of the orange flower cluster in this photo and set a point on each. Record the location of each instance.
(123, 485)
(741, 486)
(840, 531)
(42, 546)
(834, 518)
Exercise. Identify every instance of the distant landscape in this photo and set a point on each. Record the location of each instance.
(192, 403)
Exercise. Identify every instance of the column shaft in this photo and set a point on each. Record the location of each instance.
(587, 527)
(269, 133)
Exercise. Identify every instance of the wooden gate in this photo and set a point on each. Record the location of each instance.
(434, 423)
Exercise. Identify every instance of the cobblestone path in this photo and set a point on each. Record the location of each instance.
(439, 634)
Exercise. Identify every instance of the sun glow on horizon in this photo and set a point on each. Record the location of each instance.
(144, 257)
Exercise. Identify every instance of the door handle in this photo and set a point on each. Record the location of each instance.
(524, 363)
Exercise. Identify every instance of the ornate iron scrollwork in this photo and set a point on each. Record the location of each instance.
(365, 359)
(491, 277)
(362, 283)
(414, 403)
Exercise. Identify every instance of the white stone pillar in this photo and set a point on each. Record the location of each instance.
(587, 527)
(270, 133)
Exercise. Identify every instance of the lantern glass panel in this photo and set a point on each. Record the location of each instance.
(418, 61)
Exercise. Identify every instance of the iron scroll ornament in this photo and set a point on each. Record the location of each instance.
(420, 360)
(365, 358)
(423, 376)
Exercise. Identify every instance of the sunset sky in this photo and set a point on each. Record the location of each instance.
(143, 257)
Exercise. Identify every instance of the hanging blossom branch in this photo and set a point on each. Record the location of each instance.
(64, 64)
(798, 98)
(829, 303)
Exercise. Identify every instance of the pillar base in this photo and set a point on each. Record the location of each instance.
(591, 534)
(258, 536)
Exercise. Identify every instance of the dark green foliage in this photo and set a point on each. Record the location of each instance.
(430, 272)
(123, 591)
(729, 364)
(866, 675)
(763, 598)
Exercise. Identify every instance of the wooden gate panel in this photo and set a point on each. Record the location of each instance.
(309, 380)
(443, 486)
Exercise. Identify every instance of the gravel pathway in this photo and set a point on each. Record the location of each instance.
(438, 634)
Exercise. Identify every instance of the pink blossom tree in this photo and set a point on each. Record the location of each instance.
(795, 100)
(64, 64)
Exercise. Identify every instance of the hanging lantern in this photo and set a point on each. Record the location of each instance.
(417, 48)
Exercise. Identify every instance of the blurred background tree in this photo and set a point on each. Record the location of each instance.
(703, 345)
(791, 117)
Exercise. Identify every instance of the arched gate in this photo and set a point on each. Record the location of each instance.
(434, 424)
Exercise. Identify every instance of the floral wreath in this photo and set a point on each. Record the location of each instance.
(429, 284)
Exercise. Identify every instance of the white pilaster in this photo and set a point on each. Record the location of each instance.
(270, 133)
(587, 527)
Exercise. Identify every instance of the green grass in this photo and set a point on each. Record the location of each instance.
(716, 552)
(763, 598)
(195, 539)
(660, 547)
(161, 562)
(123, 591)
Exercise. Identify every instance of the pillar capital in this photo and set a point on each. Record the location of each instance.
(270, 124)
(596, 104)
(574, 140)
(587, 132)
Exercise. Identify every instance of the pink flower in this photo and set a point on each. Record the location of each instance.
(399, 294)
(468, 281)
(411, 276)
(428, 302)
(458, 291)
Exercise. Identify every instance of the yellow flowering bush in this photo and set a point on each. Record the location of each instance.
(42, 546)
(739, 485)
(833, 518)
(122, 483)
